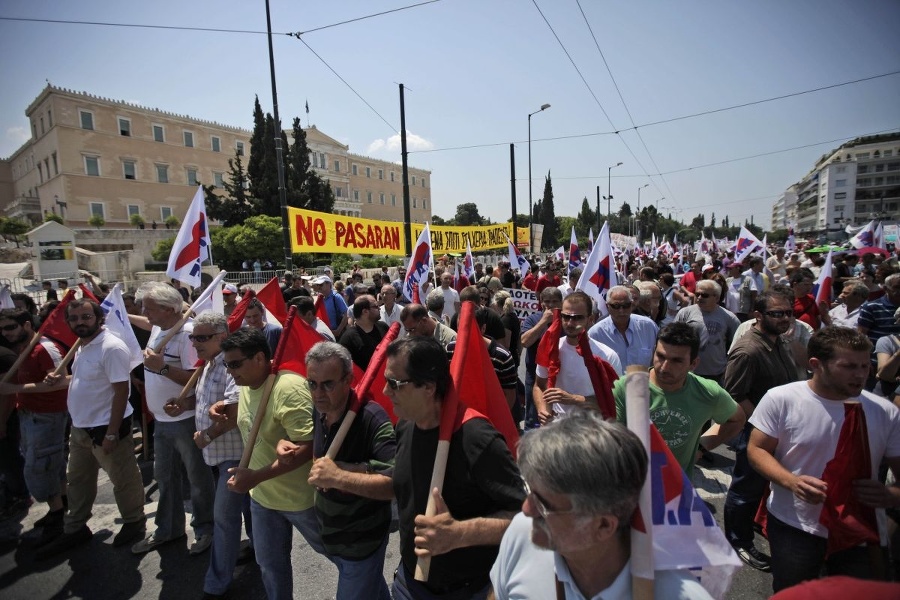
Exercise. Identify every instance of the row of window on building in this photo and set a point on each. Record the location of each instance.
(320, 160)
(99, 209)
(382, 198)
(129, 171)
(159, 133)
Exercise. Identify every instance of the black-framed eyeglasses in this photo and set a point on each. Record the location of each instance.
(568, 317)
(76, 318)
(201, 338)
(541, 507)
(235, 364)
(619, 306)
(10, 327)
(778, 314)
(396, 384)
(327, 386)
(703, 295)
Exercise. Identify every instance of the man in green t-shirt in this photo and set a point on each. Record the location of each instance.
(681, 402)
(281, 499)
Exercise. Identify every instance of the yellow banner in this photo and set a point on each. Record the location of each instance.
(453, 239)
(313, 231)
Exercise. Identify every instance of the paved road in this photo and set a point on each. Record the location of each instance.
(97, 571)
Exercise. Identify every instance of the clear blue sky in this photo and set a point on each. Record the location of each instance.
(474, 69)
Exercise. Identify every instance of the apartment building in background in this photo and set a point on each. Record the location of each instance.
(89, 155)
(851, 185)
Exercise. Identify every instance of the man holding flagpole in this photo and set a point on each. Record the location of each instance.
(583, 475)
(482, 489)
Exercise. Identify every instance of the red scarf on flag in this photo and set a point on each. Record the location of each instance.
(849, 521)
(56, 328)
(601, 372)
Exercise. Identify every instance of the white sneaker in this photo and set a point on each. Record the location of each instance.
(201, 544)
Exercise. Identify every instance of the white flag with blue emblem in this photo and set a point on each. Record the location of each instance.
(117, 323)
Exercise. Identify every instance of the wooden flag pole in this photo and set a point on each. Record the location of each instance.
(637, 406)
(61, 369)
(189, 386)
(376, 366)
(25, 354)
(423, 564)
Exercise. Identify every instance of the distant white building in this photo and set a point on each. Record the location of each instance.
(851, 185)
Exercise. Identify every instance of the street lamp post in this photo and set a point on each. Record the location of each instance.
(638, 212)
(530, 206)
(657, 203)
(609, 188)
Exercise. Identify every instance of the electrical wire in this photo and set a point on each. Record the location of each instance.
(386, 12)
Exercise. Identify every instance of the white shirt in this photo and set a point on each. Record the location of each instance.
(573, 376)
(105, 360)
(841, 318)
(451, 299)
(180, 353)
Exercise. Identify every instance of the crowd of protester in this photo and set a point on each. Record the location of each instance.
(738, 353)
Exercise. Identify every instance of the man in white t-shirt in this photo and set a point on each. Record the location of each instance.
(573, 383)
(451, 296)
(797, 430)
(165, 374)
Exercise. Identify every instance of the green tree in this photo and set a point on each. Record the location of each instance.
(305, 189)
(261, 167)
(97, 221)
(587, 217)
(548, 216)
(467, 214)
(55, 218)
(172, 222)
(137, 221)
(436, 220)
(699, 221)
(522, 220)
(712, 221)
(235, 206)
(13, 228)
(625, 211)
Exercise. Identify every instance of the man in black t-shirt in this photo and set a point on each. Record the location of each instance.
(482, 488)
(363, 337)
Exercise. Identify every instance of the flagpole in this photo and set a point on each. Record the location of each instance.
(25, 354)
(637, 407)
(61, 369)
(375, 367)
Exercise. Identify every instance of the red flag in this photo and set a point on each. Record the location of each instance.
(56, 328)
(482, 394)
(297, 338)
(236, 318)
(601, 372)
(370, 385)
(86, 293)
(321, 311)
(272, 298)
(849, 521)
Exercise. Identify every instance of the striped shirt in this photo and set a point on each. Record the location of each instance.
(877, 317)
(216, 384)
(503, 362)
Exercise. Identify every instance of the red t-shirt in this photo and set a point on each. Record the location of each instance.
(806, 310)
(689, 282)
(530, 282)
(544, 282)
(43, 359)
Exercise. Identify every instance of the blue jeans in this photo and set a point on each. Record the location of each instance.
(531, 418)
(43, 445)
(744, 494)
(799, 556)
(272, 534)
(173, 443)
(226, 532)
(362, 578)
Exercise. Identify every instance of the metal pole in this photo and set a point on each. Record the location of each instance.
(279, 160)
(512, 185)
(608, 192)
(530, 206)
(407, 227)
(598, 208)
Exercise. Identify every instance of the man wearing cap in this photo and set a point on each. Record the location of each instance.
(334, 305)
(229, 295)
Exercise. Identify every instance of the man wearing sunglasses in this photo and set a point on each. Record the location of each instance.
(353, 491)
(280, 497)
(715, 326)
(757, 362)
(583, 477)
(482, 488)
(42, 419)
(631, 336)
(221, 444)
(363, 337)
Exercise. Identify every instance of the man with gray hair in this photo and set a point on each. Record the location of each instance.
(583, 476)
(715, 327)
(853, 295)
(631, 336)
(165, 374)
(221, 444)
(355, 489)
(435, 303)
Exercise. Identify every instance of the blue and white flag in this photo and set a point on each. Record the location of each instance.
(117, 323)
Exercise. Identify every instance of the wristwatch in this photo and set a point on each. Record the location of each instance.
(111, 437)
(164, 371)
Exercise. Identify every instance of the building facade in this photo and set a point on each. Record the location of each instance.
(94, 156)
(852, 185)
